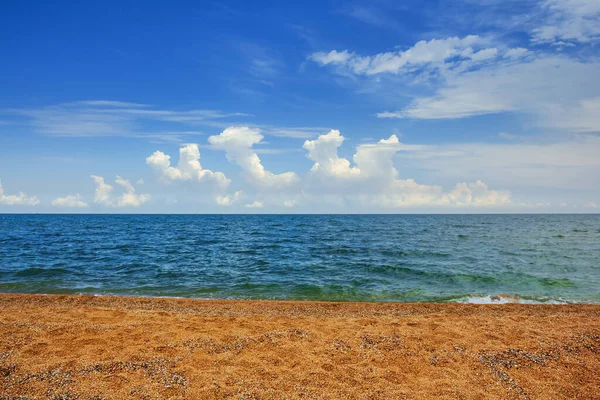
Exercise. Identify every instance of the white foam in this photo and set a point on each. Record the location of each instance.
(506, 299)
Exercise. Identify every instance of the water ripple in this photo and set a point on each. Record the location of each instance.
(308, 257)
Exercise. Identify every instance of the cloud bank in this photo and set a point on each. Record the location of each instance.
(370, 180)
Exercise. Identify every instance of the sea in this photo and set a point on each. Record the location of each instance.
(395, 258)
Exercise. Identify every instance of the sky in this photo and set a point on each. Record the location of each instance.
(447, 106)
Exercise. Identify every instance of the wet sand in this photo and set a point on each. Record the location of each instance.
(84, 347)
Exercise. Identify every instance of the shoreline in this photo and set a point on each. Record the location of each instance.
(475, 299)
(147, 347)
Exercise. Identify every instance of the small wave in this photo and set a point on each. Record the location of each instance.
(506, 299)
(432, 276)
(245, 251)
(33, 271)
(558, 282)
(341, 250)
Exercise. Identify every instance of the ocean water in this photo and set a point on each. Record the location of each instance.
(471, 258)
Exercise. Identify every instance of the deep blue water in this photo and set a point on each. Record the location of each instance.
(310, 257)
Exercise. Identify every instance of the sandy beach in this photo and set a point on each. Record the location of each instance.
(85, 347)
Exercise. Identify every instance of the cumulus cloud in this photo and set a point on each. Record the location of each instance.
(408, 193)
(289, 203)
(371, 160)
(477, 194)
(255, 204)
(237, 142)
(20, 199)
(104, 193)
(229, 200)
(70, 201)
(188, 168)
(323, 151)
(373, 178)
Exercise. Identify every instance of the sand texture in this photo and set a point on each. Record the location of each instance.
(84, 347)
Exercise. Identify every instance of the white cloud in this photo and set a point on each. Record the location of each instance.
(456, 77)
(116, 118)
(229, 200)
(484, 54)
(556, 90)
(237, 142)
(255, 204)
(408, 193)
(569, 21)
(530, 163)
(450, 53)
(477, 194)
(107, 103)
(301, 132)
(128, 198)
(333, 57)
(372, 14)
(516, 52)
(581, 116)
(373, 179)
(103, 191)
(70, 201)
(323, 151)
(13, 200)
(591, 204)
(188, 168)
(372, 161)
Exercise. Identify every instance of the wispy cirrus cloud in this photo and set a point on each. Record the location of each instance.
(441, 54)
(377, 15)
(94, 118)
(300, 132)
(555, 90)
(568, 22)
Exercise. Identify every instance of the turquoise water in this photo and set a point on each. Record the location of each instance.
(535, 258)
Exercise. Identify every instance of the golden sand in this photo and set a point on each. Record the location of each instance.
(84, 347)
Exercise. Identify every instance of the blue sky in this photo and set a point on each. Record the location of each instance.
(379, 106)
